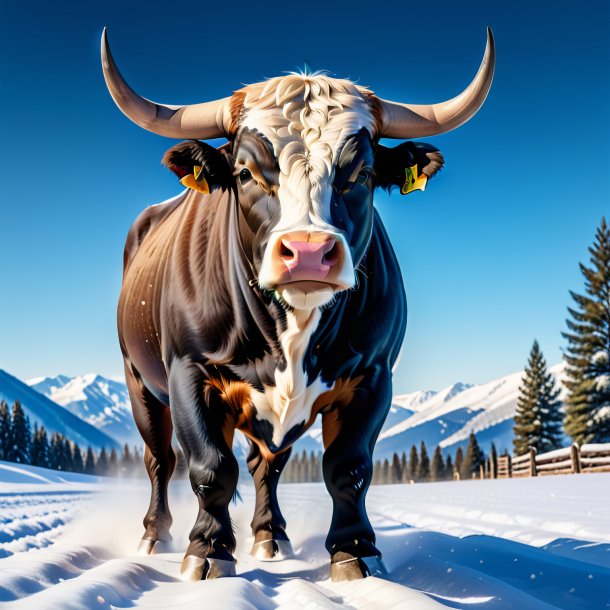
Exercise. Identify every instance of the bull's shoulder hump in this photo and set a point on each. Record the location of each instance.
(146, 221)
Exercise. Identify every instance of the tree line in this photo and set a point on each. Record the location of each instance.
(418, 467)
(22, 445)
(540, 419)
(303, 468)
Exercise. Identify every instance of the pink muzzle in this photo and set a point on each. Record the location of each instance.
(309, 260)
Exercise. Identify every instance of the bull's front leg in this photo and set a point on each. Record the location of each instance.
(350, 432)
(204, 428)
(268, 524)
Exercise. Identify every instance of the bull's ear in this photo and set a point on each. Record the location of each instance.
(198, 165)
(407, 166)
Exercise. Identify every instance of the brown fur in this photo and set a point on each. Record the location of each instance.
(330, 404)
(236, 106)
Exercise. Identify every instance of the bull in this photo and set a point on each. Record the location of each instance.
(267, 293)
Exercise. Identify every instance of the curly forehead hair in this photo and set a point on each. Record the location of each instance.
(308, 102)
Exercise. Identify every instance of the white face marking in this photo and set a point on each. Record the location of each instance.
(289, 402)
(307, 119)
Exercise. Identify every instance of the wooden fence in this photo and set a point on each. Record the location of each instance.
(570, 460)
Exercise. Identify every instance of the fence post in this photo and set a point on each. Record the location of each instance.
(533, 470)
(575, 457)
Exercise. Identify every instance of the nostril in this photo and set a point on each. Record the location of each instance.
(332, 255)
(285, 251)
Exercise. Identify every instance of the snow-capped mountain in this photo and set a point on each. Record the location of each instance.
(44, 412)
(447, 418)
(101, 402)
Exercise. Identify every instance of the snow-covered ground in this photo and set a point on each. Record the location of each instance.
(68, 541)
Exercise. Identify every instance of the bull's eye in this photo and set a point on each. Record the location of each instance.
(363, 176)
(245, 176)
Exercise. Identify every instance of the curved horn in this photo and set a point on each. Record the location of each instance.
(417, 121)
(198, 121)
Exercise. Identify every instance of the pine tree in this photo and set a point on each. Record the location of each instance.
(126, 462)
(5, 430)
(413, 464)
(312, 467)
(538, 416)
(396, 475)
(459, 459)
(403, 466)
(473, 459)
(493, 461)
(89, 462)
(448, 474)
(77, 463)
(437, 466)
(423, 469)
(21, 436)
(40, 447)
(304, 467)
(113, 463)
(56, 451)
(101, 467)
(385, 472)
(587, 409)
(318, 468)
(68, 464)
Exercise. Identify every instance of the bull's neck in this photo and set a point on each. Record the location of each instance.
(256, 307)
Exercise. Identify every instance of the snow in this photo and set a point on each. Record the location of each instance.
(556, 453)
(539, 543)
(602, 382)
(594, 448)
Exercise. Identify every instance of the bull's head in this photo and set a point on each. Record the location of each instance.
(303, 157)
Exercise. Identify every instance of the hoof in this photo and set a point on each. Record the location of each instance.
(347, 567)
(196, 568)
(152, 547)
(272, 550)
(146, 546)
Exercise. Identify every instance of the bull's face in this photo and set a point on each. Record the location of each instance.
(303, 158)
(306, 222)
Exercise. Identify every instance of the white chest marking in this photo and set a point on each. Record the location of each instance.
(290, 400)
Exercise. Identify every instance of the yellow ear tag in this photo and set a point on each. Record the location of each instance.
(413, 181)
(196, 181)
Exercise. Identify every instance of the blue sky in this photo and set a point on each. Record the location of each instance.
(488, 252)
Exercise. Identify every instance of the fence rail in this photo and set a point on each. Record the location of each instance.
(570, 460)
